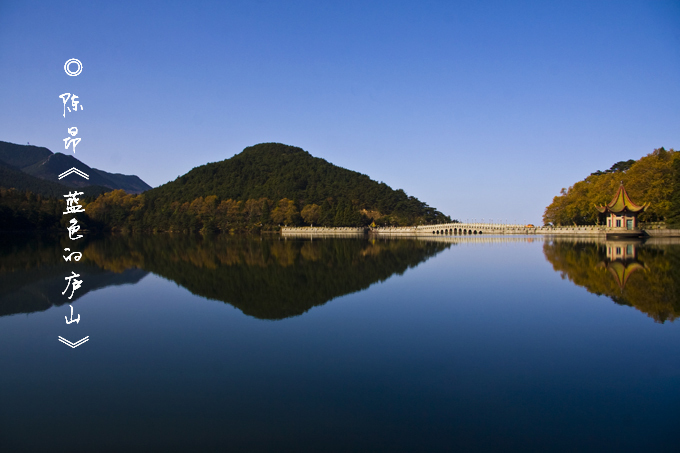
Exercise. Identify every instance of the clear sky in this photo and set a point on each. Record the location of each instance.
(484, 110)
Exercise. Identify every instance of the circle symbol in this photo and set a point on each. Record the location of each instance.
(76, 62)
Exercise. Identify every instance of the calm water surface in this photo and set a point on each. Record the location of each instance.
(265, 344)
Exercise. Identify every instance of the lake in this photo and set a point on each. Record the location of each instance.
(249, 343)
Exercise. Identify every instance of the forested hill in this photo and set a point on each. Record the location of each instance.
(654, 178)
(276, 171)
(266, 184)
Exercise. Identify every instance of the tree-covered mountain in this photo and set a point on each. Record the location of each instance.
(275, 171)
(654, 178)
(269, 184)
(41, 163)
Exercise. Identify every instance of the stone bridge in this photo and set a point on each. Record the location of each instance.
(458, 229)
(466, 229)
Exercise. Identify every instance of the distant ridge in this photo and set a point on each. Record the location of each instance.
(33, 162)
(13, 178)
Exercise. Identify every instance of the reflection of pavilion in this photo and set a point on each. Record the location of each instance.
(622, 220)
(621, 251)
(622, 260)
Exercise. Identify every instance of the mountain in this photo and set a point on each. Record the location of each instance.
(275, 171)
(129, 183)
(41, 163)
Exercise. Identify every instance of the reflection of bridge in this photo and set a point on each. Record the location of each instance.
(498, 239)
(323, 231)
(479, 239)
(495, 238)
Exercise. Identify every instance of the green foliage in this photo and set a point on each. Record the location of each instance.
(265, 217)
(327, 216)
(649, 179)
(617, 167)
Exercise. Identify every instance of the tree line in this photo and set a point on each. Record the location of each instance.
(118, 210)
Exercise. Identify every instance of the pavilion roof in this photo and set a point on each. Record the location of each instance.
(622, 272)
(621, 202)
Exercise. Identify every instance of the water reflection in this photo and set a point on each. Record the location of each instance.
(32, 273)
(622, 260)
(639, 274)
(274, 278)
(268, 278)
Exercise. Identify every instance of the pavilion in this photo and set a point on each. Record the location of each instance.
(622, 215)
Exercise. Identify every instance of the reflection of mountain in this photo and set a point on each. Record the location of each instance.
(276, 279)
(641, 276)
(32, 276)
(267, 279)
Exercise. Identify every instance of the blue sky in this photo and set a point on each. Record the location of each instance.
(484, 110)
